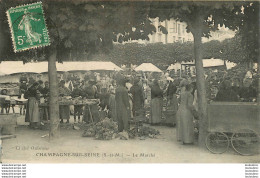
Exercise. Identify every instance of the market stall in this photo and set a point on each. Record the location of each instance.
(147, 67)
(189, 67)
(75, 102)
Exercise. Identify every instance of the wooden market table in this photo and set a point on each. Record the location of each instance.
(12, 102)
(84, 102)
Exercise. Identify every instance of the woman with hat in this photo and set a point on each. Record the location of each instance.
(185, 128)
(32, 108)
(123, 112)
(156, 103)
(138, 97)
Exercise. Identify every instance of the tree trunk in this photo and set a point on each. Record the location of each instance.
(53, 102)
(258, 88)
(2, 42)
(200, 81)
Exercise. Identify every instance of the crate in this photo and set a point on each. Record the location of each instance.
(8, 124)
(7, 119)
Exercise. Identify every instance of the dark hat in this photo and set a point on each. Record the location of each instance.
(122, 81)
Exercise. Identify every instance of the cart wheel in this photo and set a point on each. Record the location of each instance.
(217, 142)
(245, 142)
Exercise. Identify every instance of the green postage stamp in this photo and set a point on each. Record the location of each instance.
(28, 27)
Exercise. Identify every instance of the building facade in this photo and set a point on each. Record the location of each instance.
(176, 32)
(221, 34)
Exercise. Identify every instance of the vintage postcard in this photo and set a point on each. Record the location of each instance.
(129, 82)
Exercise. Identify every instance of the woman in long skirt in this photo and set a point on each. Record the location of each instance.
(64, 110)
(156, 103)
(172, 104)
(185, 131)
(182, 90)
(32, 108)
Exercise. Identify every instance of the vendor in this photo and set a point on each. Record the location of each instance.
(45, 93)
(32, 108)
(77, 92)
(46, 90)
(64, 109)
(90, 113)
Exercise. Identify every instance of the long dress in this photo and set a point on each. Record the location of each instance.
(185, 128)
(112, 106)
(138, 99)
(172, 109)
(122, 108)
(156, 104)
(32, 108)
(172, 104)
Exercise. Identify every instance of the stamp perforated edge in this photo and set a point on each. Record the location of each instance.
(12, 32)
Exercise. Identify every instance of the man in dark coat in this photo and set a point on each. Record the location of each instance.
(138, 97)
(122, 106)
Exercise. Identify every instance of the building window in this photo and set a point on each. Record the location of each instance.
(173, 27)
(173, 39)
(159, 24)
(179, 29)
(183, 29)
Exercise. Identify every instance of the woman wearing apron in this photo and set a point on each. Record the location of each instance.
(32, 109)
(64, 109)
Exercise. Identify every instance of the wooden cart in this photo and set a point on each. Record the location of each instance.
(237, 123)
